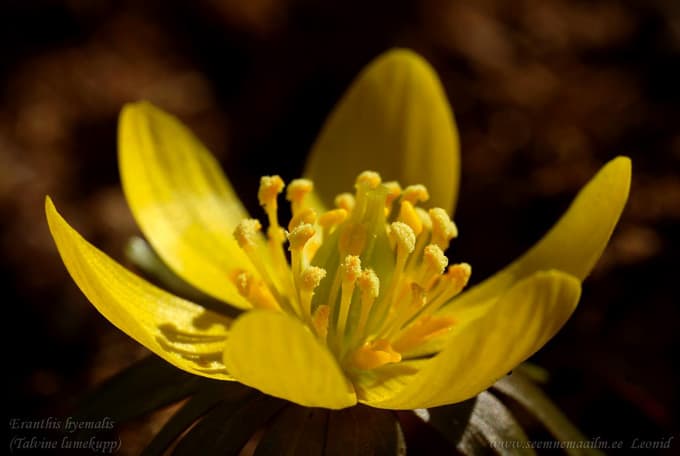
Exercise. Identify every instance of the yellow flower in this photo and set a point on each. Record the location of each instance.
(352, 300)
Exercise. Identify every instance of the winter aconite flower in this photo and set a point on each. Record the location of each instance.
(353, 299)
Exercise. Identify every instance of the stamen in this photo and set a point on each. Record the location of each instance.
(297, 240)
(403, 236)
(450, 285)
(270, 187)
(297, 190)
(246, 233)
(255, 291)
(351, 269)
(434, 263)
(369, 179)
(415, 194)
(345, 201)
(404, 309)
(309, 281)
(375, 354)
(299, 236)
(443, 228)
(404, 242)
(303, 216)
(373, 327)
(369, 284)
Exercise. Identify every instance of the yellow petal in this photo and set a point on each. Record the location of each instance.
(184, 334)
(181, 200)
(483, 350)
(574, 244)
(394, 119)
(278, 355)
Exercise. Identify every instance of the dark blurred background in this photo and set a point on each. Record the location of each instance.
(544, 92)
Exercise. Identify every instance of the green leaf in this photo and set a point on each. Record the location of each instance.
(535, 401)
(364, 430)
(296, 431)
(141, 388)
(196, 407)
(228, 427)
(492, 426)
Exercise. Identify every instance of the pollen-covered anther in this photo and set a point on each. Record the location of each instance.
(368, 179)
(255, 291)
(351, 269)
(374, 354)
(345, 201)
(403, 237)
(369, 283)
(246, 231)
(304, 216)
(435, 259)
(458, 276)
(415, 194)
(270, 187)
(311, 278)
(332, 218)
(443, 228)
(299, 236)
(296, 192)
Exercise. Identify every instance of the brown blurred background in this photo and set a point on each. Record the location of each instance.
(544, 91)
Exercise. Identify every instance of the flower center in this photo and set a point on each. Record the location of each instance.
(366, 277)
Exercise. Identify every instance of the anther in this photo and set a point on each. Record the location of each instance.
(435, 259)
(403, 236)
(255, 291)
(330, 219)
(309, 280)
(369, 285)
(345, 201)
(351, 270)
(415, 194)
(443, 228)
(304, 216)
(449, 285)
(458, 275)
(245, 233)
(299, 236)
(270, 187)
(296, 192)
(369, 179)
